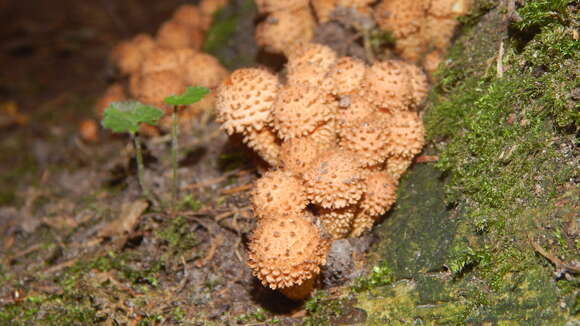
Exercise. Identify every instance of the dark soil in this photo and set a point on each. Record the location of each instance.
(78, 245)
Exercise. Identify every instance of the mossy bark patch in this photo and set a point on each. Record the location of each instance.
(486, 235)
(419, 232)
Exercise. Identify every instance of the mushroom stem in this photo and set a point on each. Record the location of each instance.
(141, 168)
(174, 146)
(299, 292)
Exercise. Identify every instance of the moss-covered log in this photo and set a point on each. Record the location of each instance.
(488, 235)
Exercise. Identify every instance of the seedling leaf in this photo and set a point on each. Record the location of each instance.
(126, 116)
(190, 96)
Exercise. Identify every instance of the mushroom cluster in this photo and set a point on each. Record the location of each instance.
(338, 135)
(153, 68)
(422, 28)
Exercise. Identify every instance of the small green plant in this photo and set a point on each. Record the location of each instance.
(126, 117)
(190, 96)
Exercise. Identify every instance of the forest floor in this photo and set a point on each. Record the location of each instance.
(487, 235)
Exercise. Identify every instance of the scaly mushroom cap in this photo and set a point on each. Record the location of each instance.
(245, 99)
(389, 85)
(267, 6)
(362, 222)
(154, 87)
(311, 74)
(202, 69)
(266, 143)
(380, 193)
(277, 194)
(337, 222)
(175, 35)
(406, 134)
(397, 165)
(335, 179)
(161, 59)
(348, 74)
(326, 134)
(366, 138)
(449, 8)
(286, 251)
(190, 16)
(299, 110)
(419, 83)
(127, 55)
(297, 154)
(114, 93)
(281, 30)
(353, 108)
(314, 53)
(401, 17)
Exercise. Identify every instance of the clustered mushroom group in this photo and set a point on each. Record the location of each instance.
(338, 135)
(153, 68)
(422, 28)
(336, 132)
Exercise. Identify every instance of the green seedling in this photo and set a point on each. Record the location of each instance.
(126, 117)
(190, 96)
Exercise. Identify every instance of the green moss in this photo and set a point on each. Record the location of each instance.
(177, 235)
(505, 140)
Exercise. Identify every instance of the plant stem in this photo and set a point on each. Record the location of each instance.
(141, 168)
(174, 158)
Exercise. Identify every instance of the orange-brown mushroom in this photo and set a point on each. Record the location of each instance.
(278, 193)
(389, 85)
(286, 253)
(367, 139)
(114, 93)
(299, 109)
(335, 179)
(283, 29)
(127, 55)
(245, 99)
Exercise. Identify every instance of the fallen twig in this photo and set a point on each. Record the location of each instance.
(215, 243)
(553, 259)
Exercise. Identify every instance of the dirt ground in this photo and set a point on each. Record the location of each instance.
(78, 245)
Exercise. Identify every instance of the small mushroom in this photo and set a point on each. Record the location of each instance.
(367, 139)
(380, 193)
(245, 99)
(348, 74)
(299, 109)
(202, 69)
(297, 154)
(338, 222)
(278, 193)
(286, 253)
(406, 134)
(283, 29)
(335, 179)
(114, 93)
(389, 85)
(266, 143)
(174, 35)
(127, 55)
